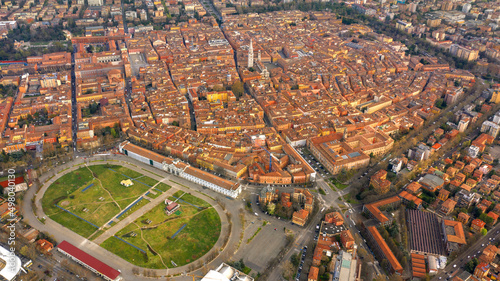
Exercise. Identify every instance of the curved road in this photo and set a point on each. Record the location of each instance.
(61, 233)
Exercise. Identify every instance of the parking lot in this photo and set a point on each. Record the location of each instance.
(315, 164)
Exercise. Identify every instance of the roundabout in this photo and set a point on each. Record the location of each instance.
(131, 227)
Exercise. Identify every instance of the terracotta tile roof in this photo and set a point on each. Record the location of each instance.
(459, 236)
(410, 197)
(493, 215)
(449, 204)
(463, 216)
(89, 260)
(146, 153)
(226, 184)
(374, 208)
(385, 249)
(479, 223)
(313, 273)
(301, 214)
(413, 187)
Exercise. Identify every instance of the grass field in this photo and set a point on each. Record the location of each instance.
(201, 232)
(338, 184)
(163, 186)
(97, 204)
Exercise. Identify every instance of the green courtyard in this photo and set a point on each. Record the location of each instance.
(157, 240)
(89, 197)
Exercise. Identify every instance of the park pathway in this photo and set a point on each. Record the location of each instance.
(134, 216)
(143, 195)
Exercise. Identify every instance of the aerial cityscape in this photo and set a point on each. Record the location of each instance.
(230, 140)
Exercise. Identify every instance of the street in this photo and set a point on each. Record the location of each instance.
(473, 252)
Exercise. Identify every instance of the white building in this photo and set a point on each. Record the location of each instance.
(496, 118)
(397, 165)
(130, 15)
(226, 273)
(203, 178)
(11, 264)
(466, 8)
(432, 262)
(490, 128)
(473, 151)
(345, 267)
(181, 169)
(463, 124)
(95, 2)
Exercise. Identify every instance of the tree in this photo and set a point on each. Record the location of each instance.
(114, 133)
(471, 265)
(380, 277)
(237, 88)
(440, 103)
(384, 264)
(395, 277)
(295, 259)
(288, 270)
(487, 219)
(484, 231)
(218, 88)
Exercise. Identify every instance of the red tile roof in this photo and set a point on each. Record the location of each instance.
(226, 184)
(313, 273)
(374, 208)
(17, 180)
(459, 236)
(479, 223)
(89, 260)
(385, 249)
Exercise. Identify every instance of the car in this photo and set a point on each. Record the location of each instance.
(454, 266)
(482, 245)
(468, 257)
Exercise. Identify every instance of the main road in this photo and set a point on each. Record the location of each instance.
(472, 252)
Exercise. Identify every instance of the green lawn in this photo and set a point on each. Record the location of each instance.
(191, 199)
(163, 186)
(196, 239)
(338, 184)
(111, 181)
(348, 199)
(69, 221)
(95, 204)
(64, 186)
(147, 180)
(127, 172)
(151, 195)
